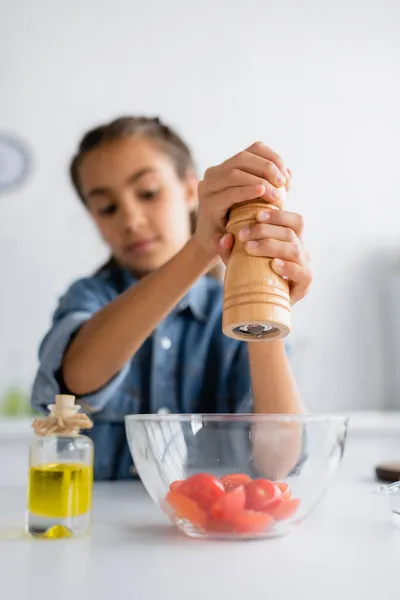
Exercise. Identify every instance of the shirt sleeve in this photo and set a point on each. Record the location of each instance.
(83, 299)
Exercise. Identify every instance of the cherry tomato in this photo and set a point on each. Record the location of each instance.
(232, 481)
(175, 485)
(203, 488)
(262, 494)
(228, 505)
(285, 510)
(185, 508)
(285, 489)
(217, 526)
(250, 521)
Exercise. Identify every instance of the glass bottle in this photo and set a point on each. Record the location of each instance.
(60, 479)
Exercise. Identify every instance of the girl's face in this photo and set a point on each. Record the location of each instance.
(138, 202)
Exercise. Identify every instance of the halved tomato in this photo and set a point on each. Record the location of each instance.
(262, 494)
(285, 489)
(217, 526)
(229, 505)
(285, 510)
(234, 480)
(203, 488)
(185, 508)
(250, 521)
(175, 485)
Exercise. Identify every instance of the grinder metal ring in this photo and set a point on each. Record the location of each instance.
(255, 330)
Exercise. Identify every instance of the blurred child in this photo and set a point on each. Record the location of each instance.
(143, 334)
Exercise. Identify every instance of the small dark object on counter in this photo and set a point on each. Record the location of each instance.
(389, 472)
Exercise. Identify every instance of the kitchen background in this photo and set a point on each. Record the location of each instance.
(317, 80)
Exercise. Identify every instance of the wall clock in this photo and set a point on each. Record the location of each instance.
(15, 162)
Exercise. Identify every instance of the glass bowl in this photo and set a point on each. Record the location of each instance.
(236, 476)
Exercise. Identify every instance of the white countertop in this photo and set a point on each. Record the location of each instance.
(348, 549)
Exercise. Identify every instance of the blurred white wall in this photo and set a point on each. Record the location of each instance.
(317, 80)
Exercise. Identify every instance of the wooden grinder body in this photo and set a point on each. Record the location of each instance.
(256, 300)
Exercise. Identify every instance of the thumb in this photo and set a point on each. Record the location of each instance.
(225, 247)
(289, 181)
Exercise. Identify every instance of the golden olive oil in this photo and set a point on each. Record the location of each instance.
(61, 490)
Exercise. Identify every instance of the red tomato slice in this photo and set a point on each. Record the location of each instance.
(203, 488)
(175, 485)
(250, 521)
(216, 526)
(285, 489)
(229, 505)
(185, 508)
(234, 480)
(262, 494)
(285, 510)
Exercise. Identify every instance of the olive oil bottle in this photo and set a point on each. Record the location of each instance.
(60, 478)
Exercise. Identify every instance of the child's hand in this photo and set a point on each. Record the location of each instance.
(277, 235)
(257, 172)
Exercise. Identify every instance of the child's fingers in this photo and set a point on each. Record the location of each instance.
(289, 181)
(217, 179)
(223, 246)
(226, 198)
(283, 218)
(299, 276)
(259, 165)
(265, 230)
(260, 149)
(226, 242)
(235, 178)
(277, 232)
(270, 248)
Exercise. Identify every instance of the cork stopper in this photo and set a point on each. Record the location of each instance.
(64, 406)
(63, 418)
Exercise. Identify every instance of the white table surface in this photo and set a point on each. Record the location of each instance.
(348, 549)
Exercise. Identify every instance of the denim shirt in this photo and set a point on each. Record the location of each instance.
(186, 366)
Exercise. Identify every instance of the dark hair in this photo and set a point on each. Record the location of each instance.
(151, 128)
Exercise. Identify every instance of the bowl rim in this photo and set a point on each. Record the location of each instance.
(239, 417)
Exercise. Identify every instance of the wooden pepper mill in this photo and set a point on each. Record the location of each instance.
(256, 300)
